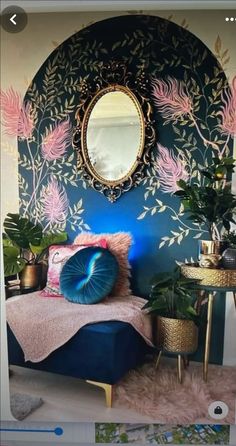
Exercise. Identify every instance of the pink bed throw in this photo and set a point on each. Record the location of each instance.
(42, 325)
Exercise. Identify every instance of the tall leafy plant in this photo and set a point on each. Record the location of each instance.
(211, 204)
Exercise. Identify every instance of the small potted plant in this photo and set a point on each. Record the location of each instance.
(171, 300)
(211, 205)
(229, 255)
(24, 246)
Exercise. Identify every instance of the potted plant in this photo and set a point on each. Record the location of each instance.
(24, 246)
(211, 205)
(171, 300)
(229, 255)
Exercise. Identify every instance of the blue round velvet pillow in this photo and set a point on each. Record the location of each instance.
(89, 275)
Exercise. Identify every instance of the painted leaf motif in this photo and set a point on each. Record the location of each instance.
(141, 216)
(218, 44)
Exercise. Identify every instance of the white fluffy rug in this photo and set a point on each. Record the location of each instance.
(158, 394)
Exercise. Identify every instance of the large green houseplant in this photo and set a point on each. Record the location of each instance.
(24, 246)
(213, 204)
(171, 300)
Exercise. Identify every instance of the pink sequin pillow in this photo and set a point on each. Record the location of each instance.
(119, 245)
(58, 255)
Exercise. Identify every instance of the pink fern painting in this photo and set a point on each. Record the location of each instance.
(174, 101)
(170, 169)
(55, 203)
(47, 154)
(56, 141)
(228, 112)
(171, 98)
(17, 117)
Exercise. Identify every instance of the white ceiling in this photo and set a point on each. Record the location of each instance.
(111, 5)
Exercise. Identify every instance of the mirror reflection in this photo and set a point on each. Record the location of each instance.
(114, 136)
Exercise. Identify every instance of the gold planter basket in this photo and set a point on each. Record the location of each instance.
(210, 276)
(178, 336)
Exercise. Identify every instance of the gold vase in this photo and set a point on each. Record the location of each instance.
(210, 252)
(30, 276)
(177, 335)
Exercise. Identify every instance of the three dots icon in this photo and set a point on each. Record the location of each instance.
(230, 19)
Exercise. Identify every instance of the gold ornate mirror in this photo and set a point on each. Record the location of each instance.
(114, 133)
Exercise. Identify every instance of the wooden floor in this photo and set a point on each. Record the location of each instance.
(68, 399)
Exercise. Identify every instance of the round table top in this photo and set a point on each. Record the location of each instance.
(211, 279)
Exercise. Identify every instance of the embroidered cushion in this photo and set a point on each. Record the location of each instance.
(89, 275)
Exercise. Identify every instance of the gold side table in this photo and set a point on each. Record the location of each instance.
(212, 281)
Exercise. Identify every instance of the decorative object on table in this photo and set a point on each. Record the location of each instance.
(154, 393)
(213, 281)
(23, 405)
(171, 299)
(24, 246)
(209, 260)
(210, 252)
(89, 275)
(211, 205)
(57, 257)
(229, 255)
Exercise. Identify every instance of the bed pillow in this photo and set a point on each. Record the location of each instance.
(118, 244)
(89, 275)
(58, 255)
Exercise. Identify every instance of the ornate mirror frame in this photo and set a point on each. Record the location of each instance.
(114, 77)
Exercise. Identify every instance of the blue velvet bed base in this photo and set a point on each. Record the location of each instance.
(103, 352)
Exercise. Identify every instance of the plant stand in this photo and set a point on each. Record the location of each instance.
(213, 281)
(177, 337)
(181, 360)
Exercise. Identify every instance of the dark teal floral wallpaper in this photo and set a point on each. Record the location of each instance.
(193, 120)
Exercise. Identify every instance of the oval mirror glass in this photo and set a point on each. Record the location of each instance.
(113, 137)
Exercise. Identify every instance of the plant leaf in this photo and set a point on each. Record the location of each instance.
(48, 240)
(13, 264)
(22, 231)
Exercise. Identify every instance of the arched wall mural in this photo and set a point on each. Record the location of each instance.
(188, 91)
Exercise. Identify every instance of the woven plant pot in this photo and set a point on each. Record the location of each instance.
(177, 335)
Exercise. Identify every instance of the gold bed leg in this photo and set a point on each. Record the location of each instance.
(108, 390)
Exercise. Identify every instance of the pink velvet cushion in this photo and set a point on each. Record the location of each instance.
(119, 244)
(58, 255)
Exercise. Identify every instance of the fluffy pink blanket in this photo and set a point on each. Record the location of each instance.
(42, 325)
